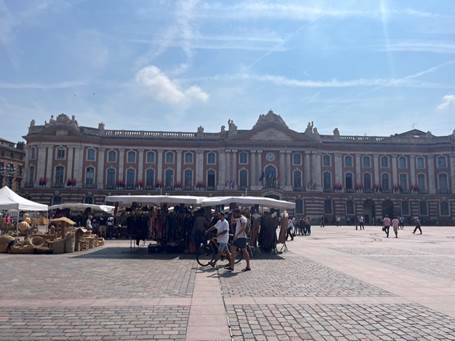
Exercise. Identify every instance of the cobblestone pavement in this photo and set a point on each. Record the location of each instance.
(338, 284)
(339, 322)
(94, 323)
(64, 276)
(294, 276)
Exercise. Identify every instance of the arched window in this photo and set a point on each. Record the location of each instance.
(131, 156)
(348, 161)
(299, 206)
(367, 182)
(328, 206)
(90, 176)
(59, 176)
(169, 157)
(443, 183)
(444, 208)
(270, 177)
(188, 179)
(420, 163)
(326, 161)
(88, 199)
(350, 207)
(149, 178)
(366, 162)
(385, 182)
(402, 162)
(56, 200)
(112, 156)
(423, 208)
(327, 184)
(110, 178)
(188, 158)
(403, 182)
(61, 153)
(405, 208)
(169, 178)
(297, 178)
(442, 162)
(211, 158)
(384, 162)
(150, 157)
(91, 154)
(296, 159)
(243, 158)
(211, 179)
(130, 178)
(421, 183)
(348, 183)
(243, 178)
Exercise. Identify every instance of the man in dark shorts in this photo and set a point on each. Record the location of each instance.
(240, 240)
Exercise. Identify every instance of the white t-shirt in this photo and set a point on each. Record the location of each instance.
(238, 226)
(221, 226)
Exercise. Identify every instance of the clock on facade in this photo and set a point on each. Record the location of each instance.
(270, 156)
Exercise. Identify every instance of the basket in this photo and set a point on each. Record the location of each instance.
(70, 239)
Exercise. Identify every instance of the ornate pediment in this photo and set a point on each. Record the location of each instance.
(271, 134)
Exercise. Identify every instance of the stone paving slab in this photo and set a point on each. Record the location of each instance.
(294, 276)
(378, 251)
(339, 322)
(94, 323)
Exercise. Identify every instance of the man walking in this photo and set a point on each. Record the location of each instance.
(386, 226)
(239, 240)
(222, 236)
(361, 223)
(418, 226)
(396, 225)
(322, 221)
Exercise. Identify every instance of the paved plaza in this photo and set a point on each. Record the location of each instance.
(338, 284)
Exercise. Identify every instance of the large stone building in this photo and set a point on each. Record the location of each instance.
(11, 164)
(407, 174)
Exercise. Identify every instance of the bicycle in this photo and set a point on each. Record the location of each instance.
(208, 254)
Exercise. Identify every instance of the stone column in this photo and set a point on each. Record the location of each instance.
(253, 169)
(199, 166)
(338, 169)
(41, 163)
(49, 169)
(281, 170)
(159, 166)
(179, 167)
(306, 169)
(100, 169)
(452, 171)
(376, 180)
(221, 170)
(140, 165)
(358, 171)
(431, 175)
(316, 174)
(412, 167)
(259, 168)
(78, 164)
(394, 171)
(70, 172)
(288, 167)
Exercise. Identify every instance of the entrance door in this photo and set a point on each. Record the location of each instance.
(387, 208)
(368, 211)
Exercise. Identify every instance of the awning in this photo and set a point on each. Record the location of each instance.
(248, 200)
(64, 220)
(154, 199)
(9, 200)
(77, 206)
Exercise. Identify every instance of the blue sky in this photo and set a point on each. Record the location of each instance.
(366, 67)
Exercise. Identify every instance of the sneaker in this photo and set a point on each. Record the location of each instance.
(246, 269)
(229, 269)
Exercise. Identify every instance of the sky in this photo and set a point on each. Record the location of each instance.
(375, 67)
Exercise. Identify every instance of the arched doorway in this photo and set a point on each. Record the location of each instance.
(270, 177)
(368, 211)
(387, 208)
(272, 196)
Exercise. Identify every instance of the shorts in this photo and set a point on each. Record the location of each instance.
(222, 247)
(240, 243)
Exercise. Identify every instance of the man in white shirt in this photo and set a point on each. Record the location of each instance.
(222, 234)
(240, 240)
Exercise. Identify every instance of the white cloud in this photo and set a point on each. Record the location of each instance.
(448, 102)
(164, 89)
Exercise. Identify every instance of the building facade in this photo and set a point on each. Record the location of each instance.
(11, 164)
(408, 174)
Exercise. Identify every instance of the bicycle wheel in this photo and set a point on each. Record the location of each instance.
(205, 255)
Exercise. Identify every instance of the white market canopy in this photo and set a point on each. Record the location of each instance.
(9, 200)
(200, 200)
(154, 199)
(77, 206)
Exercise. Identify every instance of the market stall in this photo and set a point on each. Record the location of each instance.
(81, 207)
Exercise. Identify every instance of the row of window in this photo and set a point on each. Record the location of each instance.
(402, 162)
(403, 182)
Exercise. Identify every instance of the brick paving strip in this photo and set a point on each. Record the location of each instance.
(208, 317)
